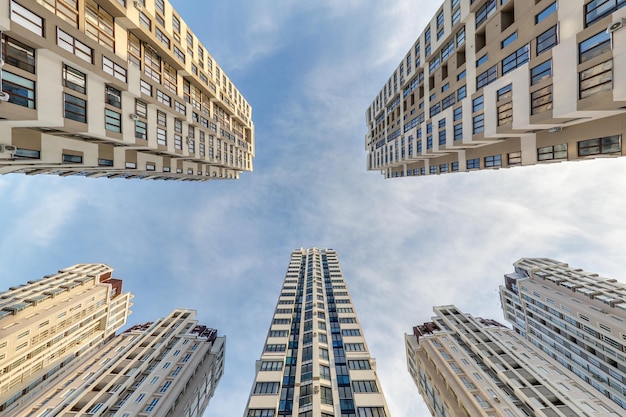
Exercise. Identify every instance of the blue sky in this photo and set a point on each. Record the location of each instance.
(309, 70)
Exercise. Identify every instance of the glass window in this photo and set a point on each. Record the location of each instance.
(21, 90)
(594, 46)
(545, 12)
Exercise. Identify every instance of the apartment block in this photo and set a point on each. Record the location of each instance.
(576, 317)
(116, 89)
(469, 366)
(494, 84)
(48, 324)
(315, 361)
(169, 367)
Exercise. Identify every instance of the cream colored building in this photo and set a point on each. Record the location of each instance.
(315, 362)
(117, 89)
(574, 316)
(169, 367)
(493, 84)
(469, 366)
(49, 324)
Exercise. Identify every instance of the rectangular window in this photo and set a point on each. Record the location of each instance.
(21, 90)
(113, 96)
(514, 158)
(141, 130)
(114, 69)
(552, 152)
(547, 40)
(373, 411)
(545, 13)
(24, 17)
(485, 11)
(487, 77)
(461, 93)
(112, 121)
(364, 386)
(146, 88)
(473, 163)
(481, 60)
(179, 54)
(493, 161)
(596, 45)
(271, 366)
(541, 72)
(458, 131)
(508, 40)
(597, 9)
(505, 113)
(99, 25)
(18, 55)
(261, 388)
(145, 21)
(605, 145)
(516, 59)
(74, 108)
(164, 98)
(595, 80)
(74, 79)
(74, 46)
(541, 100)
(477, 104)
(161, 135)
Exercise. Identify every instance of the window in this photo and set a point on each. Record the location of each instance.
(146, 88)
(364, 386)
(266, 388)
(547, 40)
(541, 100)
(74, 46)
(461, 93)
(595, 46)
(541, 72)
(99, 25)
(164, 98)
(151, 405)
(112, 121)
(485, 12)
(477, 104)
(481, 60)
(179, 54)
(161, 135)
(493, 161)
(266, 412)
(278, 333)
(113, 96)
(113, 69)
(74, 79)
(275, 348)
(351, 332)
(458, 131)
(140, 397)
(473, 163)
(552, 152)
(18, 55)
(24, 17)
(545, 13)
(373, 411)
(597, 9)
(74, 108)
(359, 364)
(21, 90)
(516, 59)
(509, 40)
(514, 158)
(487, 77)
(605, 145)
(596, 79)
(325, 372)
(354, 347)
(271, 366)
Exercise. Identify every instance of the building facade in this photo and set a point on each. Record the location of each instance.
(469, 366)
(48, 324)
(169, 367)
(496, 84)
(576, 317)
(117, 89)
(315, 362)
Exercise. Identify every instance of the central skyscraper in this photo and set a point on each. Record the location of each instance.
(315, 361)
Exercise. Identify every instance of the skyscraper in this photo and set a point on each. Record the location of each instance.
(491, 84)
(117, 89)
(576, 317)
(468, 366)
(48, 324)
(315, 361)
(169, 367)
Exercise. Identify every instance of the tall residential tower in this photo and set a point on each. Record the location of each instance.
(495, 83)
(48, 324)
(117, 89)
(315, 361)
(165, 368)
(576, 317)
(469, 366)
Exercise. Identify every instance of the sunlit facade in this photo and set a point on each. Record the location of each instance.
(117, 89)
(494, 84)
(315, 362)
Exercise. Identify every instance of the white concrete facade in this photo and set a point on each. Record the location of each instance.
(315, 362)
(494, 84)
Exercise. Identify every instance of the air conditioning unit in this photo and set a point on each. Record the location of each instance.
(133, 116)
(616, 25)
(4, 96)
(7, 148)
(138, 5)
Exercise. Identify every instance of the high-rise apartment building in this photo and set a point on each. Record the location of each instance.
(576, 317)
(315, 362)
(169, 367)
(496, 84)
(469, 366)
(48, 324)
(117, 89)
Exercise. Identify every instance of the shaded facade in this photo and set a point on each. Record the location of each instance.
(576, 317)
(169, 367)
(49, 324)
(315, 361)
(117, 89)
(469, 366)
(494, 84)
